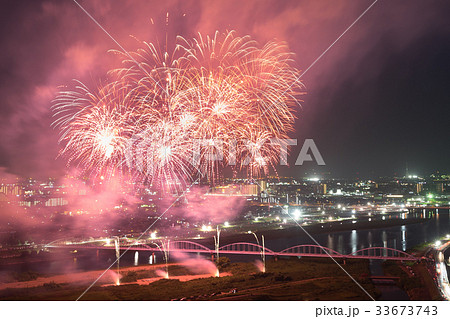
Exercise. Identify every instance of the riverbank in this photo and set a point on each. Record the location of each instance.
(285, 279)
(414, 278)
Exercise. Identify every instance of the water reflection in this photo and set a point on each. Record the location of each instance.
(330, 243)
(437, 220)
(399, 237)
(354, 240)
(369, 238)
(340, 246)
(384, 238)
(403, 230)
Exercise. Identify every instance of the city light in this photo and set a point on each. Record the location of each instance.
(206, 228)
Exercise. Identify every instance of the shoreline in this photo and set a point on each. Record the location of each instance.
(320, 228)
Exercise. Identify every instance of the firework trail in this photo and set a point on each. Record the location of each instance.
(212, 102)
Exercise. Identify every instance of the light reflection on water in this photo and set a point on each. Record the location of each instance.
(403, 230)
(354, 241)
(400, 237)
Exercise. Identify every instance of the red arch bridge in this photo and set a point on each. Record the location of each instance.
(243, 248)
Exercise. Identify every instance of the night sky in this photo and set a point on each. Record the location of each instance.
(377, 101)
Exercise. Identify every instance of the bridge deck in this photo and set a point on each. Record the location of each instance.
(380, 253)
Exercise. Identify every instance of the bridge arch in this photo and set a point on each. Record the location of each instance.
(311, 250)
(140, 246)
(382, 253)
(64, 242)
(55, 243)
(188, 246)
(244, 248)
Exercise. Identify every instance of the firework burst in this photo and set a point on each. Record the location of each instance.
(212, 102)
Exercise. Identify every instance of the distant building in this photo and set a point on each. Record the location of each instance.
(419, 188)
(320, 188)
(250, 190)
(262, 185)
(11, 189)
(56, 202)
(440, 187)
(241, 189)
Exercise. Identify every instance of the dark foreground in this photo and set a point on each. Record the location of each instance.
(285, 279)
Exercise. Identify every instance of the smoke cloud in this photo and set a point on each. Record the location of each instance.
(48, 43)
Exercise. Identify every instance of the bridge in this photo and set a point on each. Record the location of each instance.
(244, 248)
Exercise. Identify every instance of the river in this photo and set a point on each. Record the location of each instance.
(401, 237)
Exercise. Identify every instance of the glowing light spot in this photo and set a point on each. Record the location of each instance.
(165, 153)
